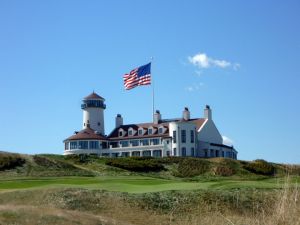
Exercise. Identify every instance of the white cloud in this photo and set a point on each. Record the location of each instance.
(227, 141)
(194, 87)
(201, 60)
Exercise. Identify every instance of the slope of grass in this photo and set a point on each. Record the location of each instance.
(138, 184)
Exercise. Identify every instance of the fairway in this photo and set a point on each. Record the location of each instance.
(133, 184)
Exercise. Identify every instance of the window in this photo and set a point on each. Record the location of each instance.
(134, 143)
(150, 131)
(168, 142)
(183, 151)
(157, 153)
(192, 136)
(135, 154)
(205, 154)
(98, 124)
(83, 145)
(130, 132)
(168, 153)
(104, 145)
(192, 152)
(94, 145)
(125, 154)
(146, 153)
(160, 130)
(73, 145)
(183, 136)
(223, 154)
(155, 141)
(145, 142)
(174, 136)
(66, 145)
(114, 144)
(140, 132)
(174, 152)
(120, 133)
(124, 143)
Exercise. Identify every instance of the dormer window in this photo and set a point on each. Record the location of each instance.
(131, 131)
(150, 131)
(121, 132)
(160, 130)
(140, 132)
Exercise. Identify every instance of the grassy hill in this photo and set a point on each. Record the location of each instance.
(55, 189)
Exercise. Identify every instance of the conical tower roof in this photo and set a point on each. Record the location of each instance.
(93, 96)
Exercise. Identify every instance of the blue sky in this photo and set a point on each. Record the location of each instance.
(241, 58)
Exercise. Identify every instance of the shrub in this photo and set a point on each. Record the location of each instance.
(170, 160)
(49, 163)
(222, 170)
(261, 167)
(135, 164)
(190, 167)
(10, 161)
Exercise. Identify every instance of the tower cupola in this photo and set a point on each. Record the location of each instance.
(93, 112)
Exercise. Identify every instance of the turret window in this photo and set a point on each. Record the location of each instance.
(83, 145)
(73, 145)
(94, 144)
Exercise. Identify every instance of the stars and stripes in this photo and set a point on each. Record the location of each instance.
(137, 77)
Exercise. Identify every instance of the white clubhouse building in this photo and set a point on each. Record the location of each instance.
(197, 137)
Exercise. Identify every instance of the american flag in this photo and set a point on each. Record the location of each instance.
(137, 77)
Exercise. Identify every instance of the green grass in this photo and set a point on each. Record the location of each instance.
(136, 184)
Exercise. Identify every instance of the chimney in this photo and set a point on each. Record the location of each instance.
(186, 113)
(119, 120)
(207, 113)
(156, 117)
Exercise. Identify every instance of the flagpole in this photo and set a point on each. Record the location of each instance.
(152, 90)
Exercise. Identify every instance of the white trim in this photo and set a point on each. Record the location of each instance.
(200, 128)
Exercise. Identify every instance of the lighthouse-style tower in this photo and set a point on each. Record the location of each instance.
(93, 112)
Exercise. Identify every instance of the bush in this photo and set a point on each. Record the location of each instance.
(222, 170)
(49, 163)
(170, 160)
(190, 167)
(261, 167)
(135, 164)
(10, 161)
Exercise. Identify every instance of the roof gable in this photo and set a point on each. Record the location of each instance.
(86, 134)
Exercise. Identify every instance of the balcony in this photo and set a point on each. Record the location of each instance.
(93, 104)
